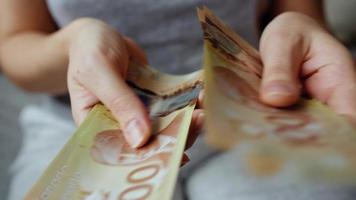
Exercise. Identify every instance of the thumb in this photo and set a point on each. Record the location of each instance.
(130, 113)
(281, 56)
(112, 90)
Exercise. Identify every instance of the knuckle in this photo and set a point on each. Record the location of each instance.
(97, 45)
(86, 23)
(107, 55)
(284, 28)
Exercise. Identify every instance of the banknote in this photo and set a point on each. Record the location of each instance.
(97, 163)
(307, 140)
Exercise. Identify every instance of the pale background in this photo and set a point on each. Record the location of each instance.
(341, 15)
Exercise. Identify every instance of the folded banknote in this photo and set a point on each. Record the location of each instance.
(307, 140)
(97, 163)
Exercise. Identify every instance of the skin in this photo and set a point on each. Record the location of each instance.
(89, 59)
(307, 58)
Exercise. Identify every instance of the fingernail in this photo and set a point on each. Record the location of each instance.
(277, 89)
(134, 133)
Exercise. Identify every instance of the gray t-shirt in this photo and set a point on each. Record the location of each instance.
(168, 30)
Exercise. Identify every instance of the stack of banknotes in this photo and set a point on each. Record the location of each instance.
(308, 139)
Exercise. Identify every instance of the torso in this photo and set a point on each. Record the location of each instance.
(168, 31)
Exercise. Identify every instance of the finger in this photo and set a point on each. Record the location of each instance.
(195, 127)
(340, 95)
(135, 51)
(282, 56)
(130, 112)
(331, 79)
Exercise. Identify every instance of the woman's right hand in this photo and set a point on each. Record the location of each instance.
(98, 63)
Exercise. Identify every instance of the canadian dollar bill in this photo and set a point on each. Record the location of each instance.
(97, 163)
(308, 140)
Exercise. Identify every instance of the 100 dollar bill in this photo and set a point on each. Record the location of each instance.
(307, 141)
(97, 163)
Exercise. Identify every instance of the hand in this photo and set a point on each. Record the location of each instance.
(298, 53)
(98, 62)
